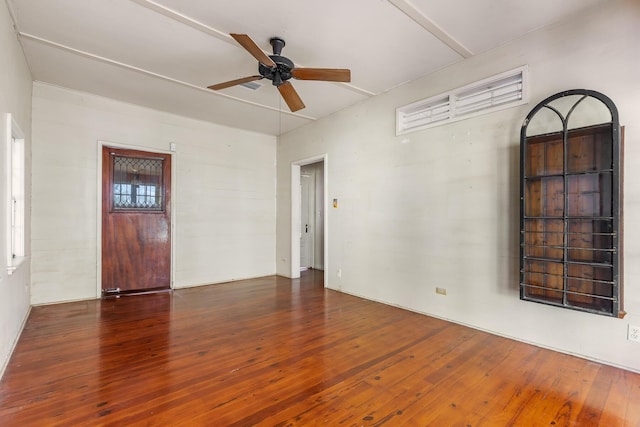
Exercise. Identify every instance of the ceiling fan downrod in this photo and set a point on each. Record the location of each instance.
(277, 44)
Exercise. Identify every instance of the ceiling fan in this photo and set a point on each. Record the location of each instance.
(280, 69)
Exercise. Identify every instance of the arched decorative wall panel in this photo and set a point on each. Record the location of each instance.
(570, 225)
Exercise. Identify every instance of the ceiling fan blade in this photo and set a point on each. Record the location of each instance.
(251, 47)
(291, 97)
(234, 82)
(326, 74)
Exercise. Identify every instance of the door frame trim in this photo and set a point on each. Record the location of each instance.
(296, 213)
(100, 145)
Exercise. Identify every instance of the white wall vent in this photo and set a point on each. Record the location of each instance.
(504, 90)
(251, 85)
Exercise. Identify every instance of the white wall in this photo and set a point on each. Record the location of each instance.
(15, 98)
(223, 193)
(440, 207)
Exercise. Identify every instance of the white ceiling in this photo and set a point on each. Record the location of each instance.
(163, 54)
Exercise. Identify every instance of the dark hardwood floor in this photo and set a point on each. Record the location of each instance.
(277, 352)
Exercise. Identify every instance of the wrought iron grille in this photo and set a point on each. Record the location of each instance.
(137, 184)
(570, 163)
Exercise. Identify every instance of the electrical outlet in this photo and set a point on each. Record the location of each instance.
(339, 272)
(441, 291)
(634, 333)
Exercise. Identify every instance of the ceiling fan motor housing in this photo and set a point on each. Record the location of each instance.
(278, 74)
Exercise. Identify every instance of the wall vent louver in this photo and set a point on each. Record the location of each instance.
(251, 85)
(495, 93)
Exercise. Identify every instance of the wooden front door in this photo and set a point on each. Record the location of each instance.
(136, 220)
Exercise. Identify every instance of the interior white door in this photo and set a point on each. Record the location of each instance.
(306, 226)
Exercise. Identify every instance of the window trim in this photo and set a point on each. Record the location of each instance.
(448, 101)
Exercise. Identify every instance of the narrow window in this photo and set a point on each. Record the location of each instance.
(15, 193)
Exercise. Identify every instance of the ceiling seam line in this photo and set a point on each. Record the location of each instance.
(355, 88)
(152, 74)
(184, 19)
(412, 12)
(17, 32)
(199, 26)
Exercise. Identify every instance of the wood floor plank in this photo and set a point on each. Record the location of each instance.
(277, 352)
(623, 400)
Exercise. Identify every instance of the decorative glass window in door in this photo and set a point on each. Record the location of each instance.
(570, 163)
(137, 184)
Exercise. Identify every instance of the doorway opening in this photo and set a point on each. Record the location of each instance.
(311, 216)
(309, 231)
